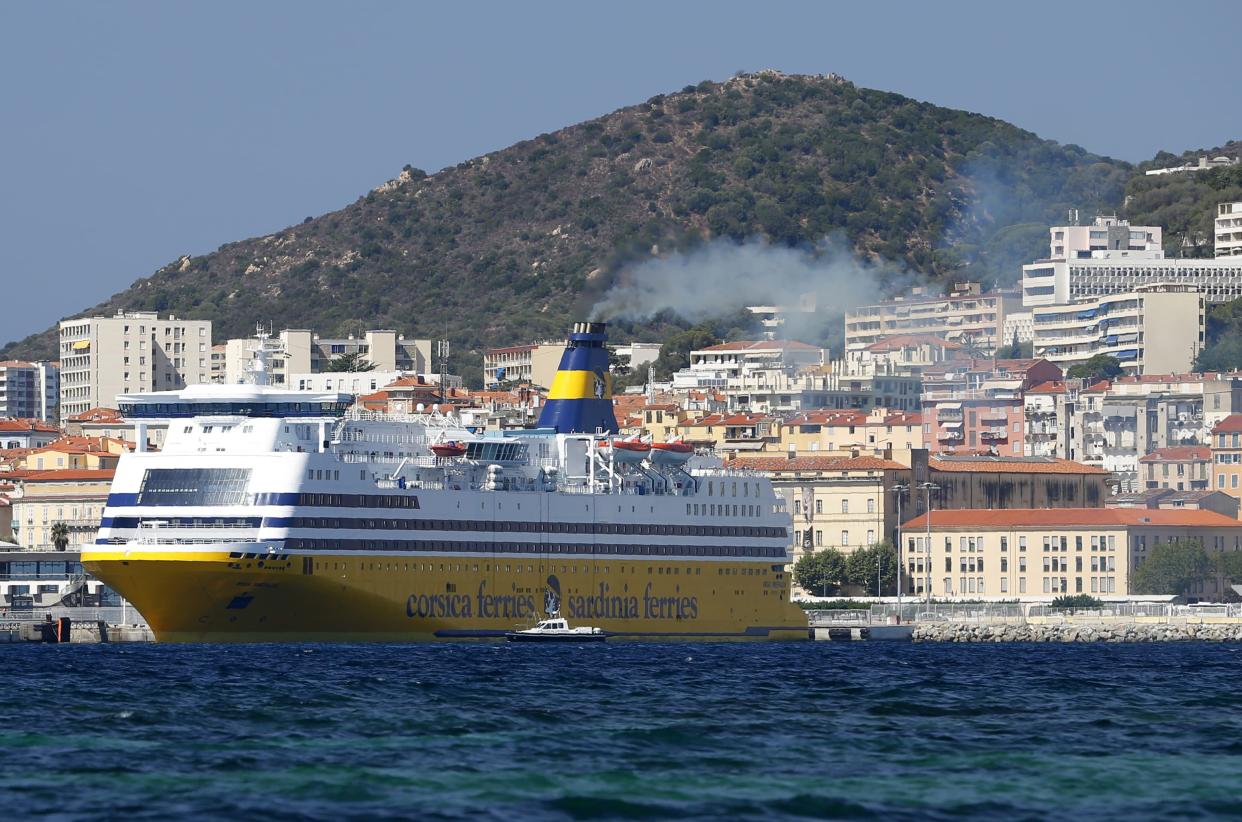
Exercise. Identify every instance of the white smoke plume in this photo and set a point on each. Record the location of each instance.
(724, 276)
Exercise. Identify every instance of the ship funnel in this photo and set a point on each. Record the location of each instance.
(580, 397)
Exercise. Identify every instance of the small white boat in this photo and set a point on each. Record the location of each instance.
(556, 629)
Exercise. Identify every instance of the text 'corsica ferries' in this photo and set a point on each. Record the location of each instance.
(279, 515)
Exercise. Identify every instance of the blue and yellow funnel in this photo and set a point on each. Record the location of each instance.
(580, 399)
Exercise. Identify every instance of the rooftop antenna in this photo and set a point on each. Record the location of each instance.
(650, 383)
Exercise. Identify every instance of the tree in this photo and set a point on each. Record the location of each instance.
(60, 535)
(1171, 568)
(1015, 350)
(860, 567)
(350, 362)
(821, 572)
(1099, 367)
(617, 364)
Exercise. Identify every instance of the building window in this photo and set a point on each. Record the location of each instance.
(845, 537)
(1004, 585)
(870, 506)
(819, 537)
(819, 506)
(845, 506)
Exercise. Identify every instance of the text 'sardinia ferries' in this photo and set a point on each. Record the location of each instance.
(280, 515)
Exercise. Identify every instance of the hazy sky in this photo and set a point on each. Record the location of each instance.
(132, 133)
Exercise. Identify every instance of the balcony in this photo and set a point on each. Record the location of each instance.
(994, 435)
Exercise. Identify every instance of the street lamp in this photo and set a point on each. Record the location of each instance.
(898, 490)
(928, 487)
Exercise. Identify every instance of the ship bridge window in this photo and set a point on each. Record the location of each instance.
(194, 486)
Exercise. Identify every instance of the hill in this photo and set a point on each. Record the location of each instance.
(513, 245)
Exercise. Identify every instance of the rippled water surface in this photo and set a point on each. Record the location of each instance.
(635, 731)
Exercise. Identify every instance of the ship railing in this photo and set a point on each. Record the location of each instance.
(112, 615)
(212, 540)
(845, 616)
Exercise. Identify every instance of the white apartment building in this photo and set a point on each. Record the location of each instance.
(1056, 282)
(1155, 329)
(29, 390)
(1228, 230)
(966, 314)
(841, 385)
(305, 352)
(733, 358)
(534, 363)
(1071, 242)
(104, 357)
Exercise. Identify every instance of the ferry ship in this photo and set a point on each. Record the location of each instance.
(275, 515)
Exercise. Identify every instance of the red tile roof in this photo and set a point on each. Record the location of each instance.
(69, 475)
(1179, 453)
(98, 415)
(1012, 465)
(1071, 517)
(1049, 387)
(1231, 424)
(19, 426)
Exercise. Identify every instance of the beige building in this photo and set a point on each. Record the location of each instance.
(1228, 230)
(535, 364)
(102, 358)
(1156, 329)
(74, 497)
(1040, 554)
(966, 315)
(836, 502)
(304, 352)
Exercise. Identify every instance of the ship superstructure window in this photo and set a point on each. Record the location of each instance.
(194, 486)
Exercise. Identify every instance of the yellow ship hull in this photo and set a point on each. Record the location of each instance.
(210, 596)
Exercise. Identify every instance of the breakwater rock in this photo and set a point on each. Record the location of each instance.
(1078, 632)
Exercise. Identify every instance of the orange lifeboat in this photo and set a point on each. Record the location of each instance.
(671, 453)
(451, 448)
(625, 450)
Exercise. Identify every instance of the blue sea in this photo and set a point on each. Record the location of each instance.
(621, 731)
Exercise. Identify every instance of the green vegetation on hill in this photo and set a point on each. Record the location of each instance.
(1184, 205)
(514, 245)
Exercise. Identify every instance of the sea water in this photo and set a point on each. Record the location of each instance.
(848, 730)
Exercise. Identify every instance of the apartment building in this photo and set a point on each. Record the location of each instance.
(878, 430)
(1226, 448)
(906, 354)
(102, 358)
(976, 405)
(966, 314)
(1039, 554)
(1113, 424)
(30, 390)
(1075, 242)
(536, 364)
(1058, 282)
(26, 433)
(1169, 499)
(1156, 329)
(75, 497)
(305, 352)
(1228, 230)
(841, 385)
(1177, 467)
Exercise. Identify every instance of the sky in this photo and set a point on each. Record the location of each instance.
(134, 132)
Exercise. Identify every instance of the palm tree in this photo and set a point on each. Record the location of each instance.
(60, 535)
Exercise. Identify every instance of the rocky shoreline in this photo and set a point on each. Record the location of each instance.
(1082, 632)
